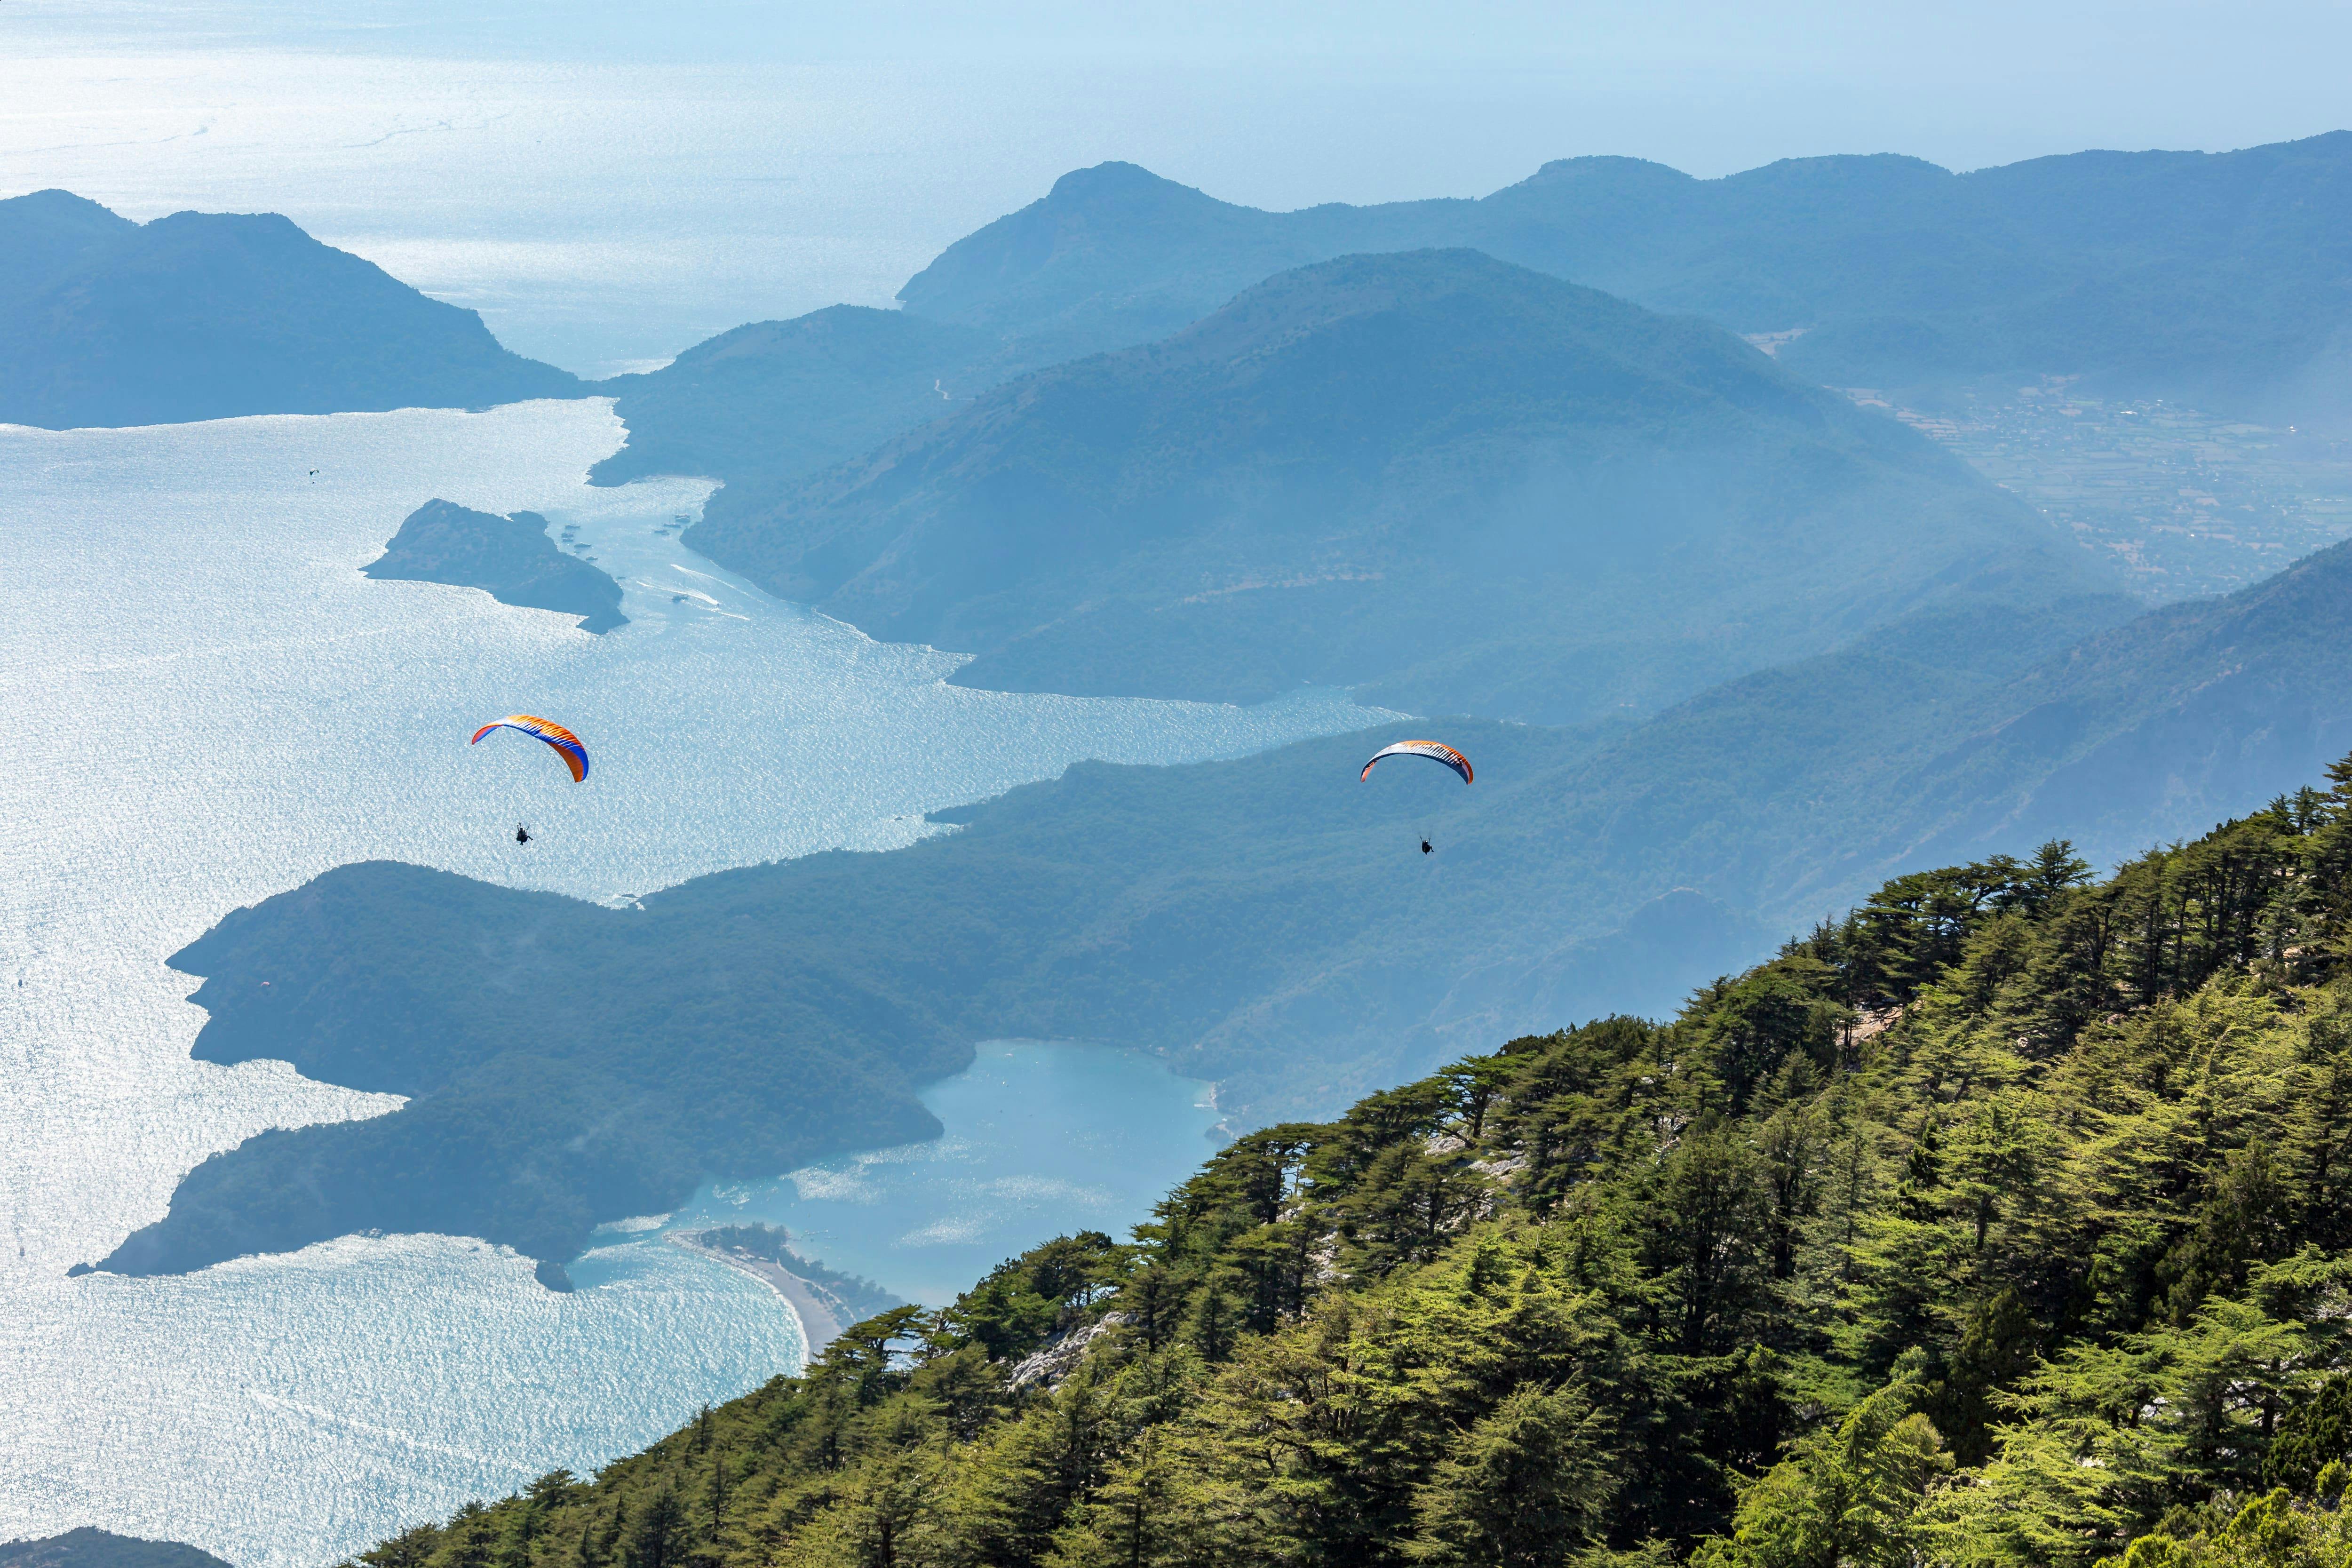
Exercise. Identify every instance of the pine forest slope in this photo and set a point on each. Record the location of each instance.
(1451, 483)
(2002, 1222)
(1268, 922)
(209, 316)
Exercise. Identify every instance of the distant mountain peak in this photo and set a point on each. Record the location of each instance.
(45, 233)
(1119, 182)
(54, 202)
(276, 226)
(212, 315)
(1285, 492)
(1380, 281)
(1848, 163)
(2209, 277)
(1607, 166)
(1110, 216)
(1414, 273)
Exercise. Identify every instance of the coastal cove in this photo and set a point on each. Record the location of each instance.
(821, 1316)
(982, 1014)
(1041, 1137)
(211, 705)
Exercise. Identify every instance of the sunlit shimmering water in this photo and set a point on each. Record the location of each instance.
(203, 703)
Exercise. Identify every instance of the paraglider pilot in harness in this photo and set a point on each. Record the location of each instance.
(560, 741)
(1436, 751)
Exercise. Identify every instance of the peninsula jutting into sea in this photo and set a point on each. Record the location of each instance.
(1038, 791)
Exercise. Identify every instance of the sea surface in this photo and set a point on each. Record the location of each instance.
(203, 703)
(1028, 1156)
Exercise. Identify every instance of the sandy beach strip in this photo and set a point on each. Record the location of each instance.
(819, 1323)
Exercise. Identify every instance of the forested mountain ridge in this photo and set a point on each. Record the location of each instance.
(1451, 483)
(2217, 276)
(1917, 747)
(2212, 699)
(212, 315)
(2003, 1221)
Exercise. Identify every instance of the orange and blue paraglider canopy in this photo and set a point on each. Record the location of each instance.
(1434, 751)
(564, 743)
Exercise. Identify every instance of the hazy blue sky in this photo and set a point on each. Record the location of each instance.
(609, 181)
